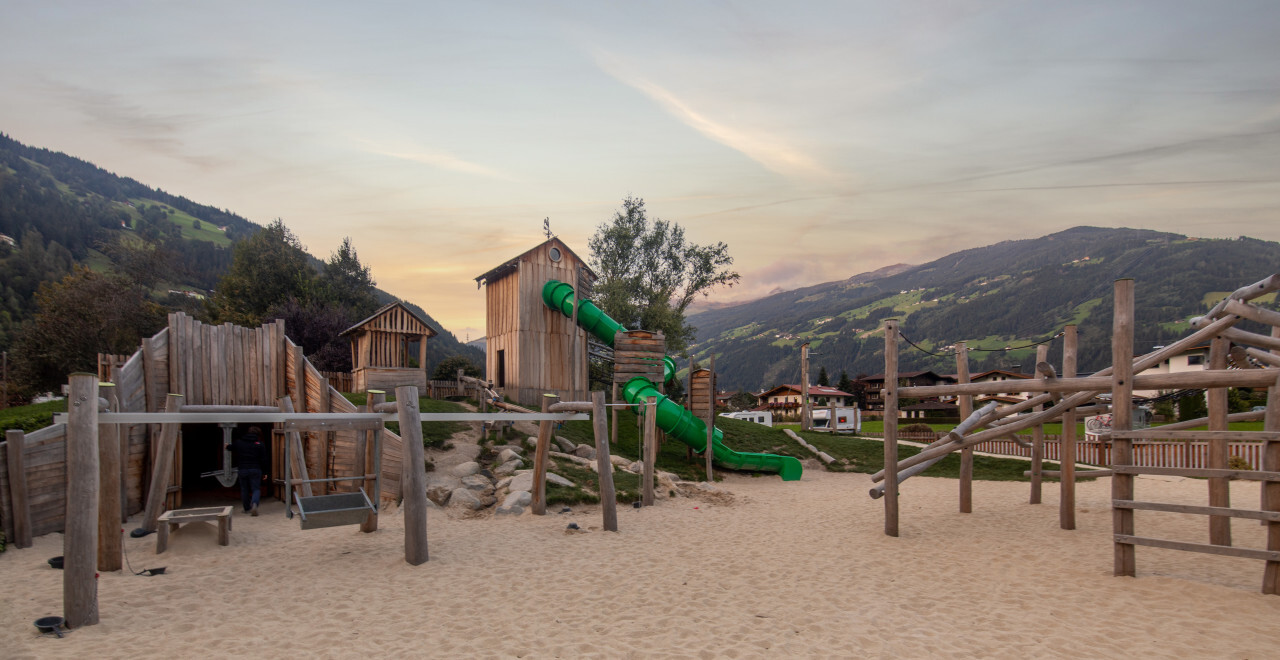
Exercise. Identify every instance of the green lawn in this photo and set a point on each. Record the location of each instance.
(434, 434)
(31, 418)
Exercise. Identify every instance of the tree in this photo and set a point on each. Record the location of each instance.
(743, 401)
(267, 269)
(83, 314)
(347, 282)
(823, 379)
(844, 384)
(649, 273)
(1192, 407)
(448, 368)
(317, 327)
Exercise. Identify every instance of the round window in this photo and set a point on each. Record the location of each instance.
(554, 253)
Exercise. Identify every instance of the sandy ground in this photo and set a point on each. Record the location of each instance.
(784, 569)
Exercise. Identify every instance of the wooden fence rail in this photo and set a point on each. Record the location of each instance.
(343, 381)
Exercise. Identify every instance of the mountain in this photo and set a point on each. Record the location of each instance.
(60, 211)
(1008, 295)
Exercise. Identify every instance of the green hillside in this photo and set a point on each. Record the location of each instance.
(1008, 295)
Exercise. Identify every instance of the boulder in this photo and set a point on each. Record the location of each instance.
(620, 461)
(637, 467)
(565, 446)
(522, 481)
(509, 467)
(503, 483)
(515, 448)
(507, 455)
(465, 498)
(439, 494)
(585, 451)
(478, 484)
(466, 469)
(570, 457)
(505, 510)
(531, 442)
(553, 478)
(518, 498)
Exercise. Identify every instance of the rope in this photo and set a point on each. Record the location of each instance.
(978, 350)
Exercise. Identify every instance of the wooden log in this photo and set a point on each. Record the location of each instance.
(1219, 489)
(572, 406)
(1225, 551)
(1249, 416)
(1201, 473)
(80, 541)
(972, 421)
(806, 414)
(1244, 309)
(370, 457)
(604, 468)
(1122, 420)
(613, 416)
(1159, 433)
(1245, 293)
(1201, 510)
(891, 427)
(650, 450)
(297, 455)
(1037, 434)
(413, 479)
(966, 409)
(110, 538)
(709, 452)
(15, 441)
(1269, 359)
(1271, 490)
(162, 469)
(1068, 449)
(1075, 474)
(539, 505)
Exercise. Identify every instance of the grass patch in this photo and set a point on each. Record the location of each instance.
(33, 417)
(434, 434)
(867, 456)
(625, 484)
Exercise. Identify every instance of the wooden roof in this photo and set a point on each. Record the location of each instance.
(509, 266)
(394, 317)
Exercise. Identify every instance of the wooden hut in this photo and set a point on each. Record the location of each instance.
(209, 365)
(530, 348)
(381, 346)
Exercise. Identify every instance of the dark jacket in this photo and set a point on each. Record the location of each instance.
(251, 452)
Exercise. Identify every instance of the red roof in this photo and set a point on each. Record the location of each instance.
(814, 390)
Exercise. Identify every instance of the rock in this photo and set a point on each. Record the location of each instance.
(464, 498)
(515, 448)
(572, 526)
(636, 467)
(439, 494)
(553, 478)
(505, 510)
(518, 498)
(565, 446)
(585, 451)
(477, 484)
(570, 457)
(531, 441)
(509, 467)
(503, 483)
(488, 500)
(466, 469)
(507, 455)
(522, 481)
(620, 461)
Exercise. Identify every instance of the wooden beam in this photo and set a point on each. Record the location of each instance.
(1202, 473)
(891, 427)
(369, 460)
(650, 450)
(1219, 489)
(1067, 448)
(1122, 420)
(709, 451)
(80, 540)
(1224, 512)
(413, 477)
(1225, 551)
(1037, 439)
(162, 470)
(539, 504)
(110, 539)
(604, 468)
(297, 455)
(1271, 490)
(15, 441)
(966, 409)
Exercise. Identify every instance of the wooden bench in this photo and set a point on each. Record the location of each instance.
(169, 521)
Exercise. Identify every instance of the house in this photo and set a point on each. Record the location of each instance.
(873, 384)
(785, 399)
(530, 348)
(1014, 395)
(1195, 358)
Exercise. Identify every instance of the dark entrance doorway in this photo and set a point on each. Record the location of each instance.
(202, 454)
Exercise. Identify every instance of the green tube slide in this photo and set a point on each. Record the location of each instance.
(678, 422)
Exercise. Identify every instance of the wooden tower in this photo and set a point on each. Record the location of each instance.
(380, 349)
(530, 348)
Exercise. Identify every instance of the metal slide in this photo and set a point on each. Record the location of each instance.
(678, 422)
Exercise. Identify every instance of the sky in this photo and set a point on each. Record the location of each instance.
(817, 140)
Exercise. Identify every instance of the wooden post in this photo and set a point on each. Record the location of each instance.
(891, 427)
(966, 409)
(539, 506)
(1067, 495)
(109, 534)
(574, 357)
(16, 441)
(1122, 420)
(414, 480)
(709, 453)
(1219, 489)
(613, 416)
(1037, 440)
(370, 460)
(604, 467)
(422, 361)
(80, 542)
(122, 460)
(650, 449)
(806, 413)
(297, 458)
(1271, 489)
(162, 471)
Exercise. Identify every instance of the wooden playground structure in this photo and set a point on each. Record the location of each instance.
(1067, 395)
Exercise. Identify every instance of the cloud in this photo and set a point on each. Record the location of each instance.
(771, 152)
(439, 159)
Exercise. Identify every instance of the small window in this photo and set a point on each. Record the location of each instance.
(554, 253)
(1195, 359)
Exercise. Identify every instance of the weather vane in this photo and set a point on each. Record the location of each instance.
(546, 228)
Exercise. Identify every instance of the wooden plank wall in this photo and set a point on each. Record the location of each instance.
(639, 353)
(537, 340)
(45, 458)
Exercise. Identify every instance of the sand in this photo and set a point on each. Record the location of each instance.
(783, 569)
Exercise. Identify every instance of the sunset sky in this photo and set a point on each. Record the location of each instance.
(818, 140)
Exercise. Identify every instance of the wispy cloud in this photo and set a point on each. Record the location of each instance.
(439, 159)
(770, 151)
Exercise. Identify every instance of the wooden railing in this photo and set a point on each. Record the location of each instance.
(342, 381)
